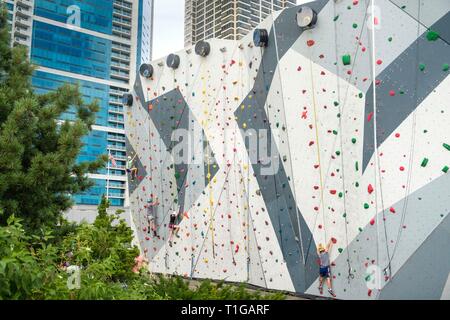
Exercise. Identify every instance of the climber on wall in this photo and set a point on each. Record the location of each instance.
(173, 227)
(325, 272)
(131, 168)
(151, 215)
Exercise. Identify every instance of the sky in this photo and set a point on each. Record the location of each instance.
(168, 33)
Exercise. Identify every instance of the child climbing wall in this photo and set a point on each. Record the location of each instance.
(267, 146)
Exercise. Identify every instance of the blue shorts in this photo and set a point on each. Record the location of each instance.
(325, 272)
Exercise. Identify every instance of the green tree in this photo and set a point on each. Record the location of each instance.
(38, 153)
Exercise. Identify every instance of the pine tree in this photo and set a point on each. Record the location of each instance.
(38, 153)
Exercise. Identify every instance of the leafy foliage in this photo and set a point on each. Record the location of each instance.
(34, 267)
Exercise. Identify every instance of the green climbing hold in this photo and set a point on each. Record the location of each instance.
(357, 184)
(336, 18)
(335, 132)
(446, 146)
(344, 215)
(336, 103)
(366, 206)
(421, 67)
(360, 229)
(432, 35)
(355, 25)
(177, 175)
(353, 140)
(390, 39)
(338, 153)
(340, 194)
(367, 278)
(445, 169)
(340, 250)
(446, 67)
(357, 166)
(424, 162)
(346, 59)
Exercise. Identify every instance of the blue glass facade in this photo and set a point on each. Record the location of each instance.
(44, 82)
(95, 15)
(92, 196)
(68, 50)
(89, 43)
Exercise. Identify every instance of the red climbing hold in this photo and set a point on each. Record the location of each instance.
(334, 240)
(369, 117)
(392, 210)
(304, 114)
(369, 189)
(372, 222)
(392, 93)
(310, 43)
(333, 191)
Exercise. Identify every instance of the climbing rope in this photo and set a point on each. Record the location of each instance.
(411, 154)
(269, 127)
(288, 141)
(350, 275)
(344, 104)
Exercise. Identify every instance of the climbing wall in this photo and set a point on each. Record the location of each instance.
(350, 119)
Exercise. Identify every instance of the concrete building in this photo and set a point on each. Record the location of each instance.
(226, 19)
(99, 45)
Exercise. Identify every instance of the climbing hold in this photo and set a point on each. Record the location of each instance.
(366, 206)
(353, 140)
(446, 146)
(370, 189)
(446, 67)
(310, 43)
(346, 60)
(432, 35)
(391, 209)
(424, 162)
(445, 169)
(340, 250)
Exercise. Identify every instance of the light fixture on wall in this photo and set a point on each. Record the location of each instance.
(127, 99)
(173, 61)
(261, 37)
(306, 17)
(146, 70)
(202, 48)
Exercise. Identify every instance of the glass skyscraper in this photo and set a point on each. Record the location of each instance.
(98, 44)
(226, 19)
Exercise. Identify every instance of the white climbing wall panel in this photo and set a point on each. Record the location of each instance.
(381, 193)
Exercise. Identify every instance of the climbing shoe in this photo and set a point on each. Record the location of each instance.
(321, 290)
(330, 291)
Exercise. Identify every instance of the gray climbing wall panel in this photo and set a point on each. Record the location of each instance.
(339, 131)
